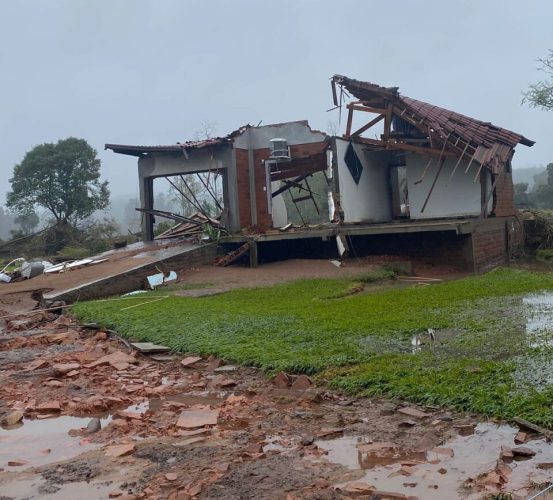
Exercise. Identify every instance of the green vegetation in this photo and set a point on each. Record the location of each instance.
(540, 197)
(483, 360)
(540, 94)
(545, 254)
(73, 190)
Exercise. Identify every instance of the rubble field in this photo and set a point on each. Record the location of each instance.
(84, 415)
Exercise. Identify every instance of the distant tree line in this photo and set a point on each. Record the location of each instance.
(540, 196)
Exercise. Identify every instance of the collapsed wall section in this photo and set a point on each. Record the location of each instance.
(257, 207)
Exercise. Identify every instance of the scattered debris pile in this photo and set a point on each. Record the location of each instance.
(538, 229)
(184, 427)
(20, 269)
(194, 225)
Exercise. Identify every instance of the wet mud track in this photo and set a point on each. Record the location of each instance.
(84, 417)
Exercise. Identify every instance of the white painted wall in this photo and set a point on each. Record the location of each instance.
(279, 211)
(370, 200)
(453, 197)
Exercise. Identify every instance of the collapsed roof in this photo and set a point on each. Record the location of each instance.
(438, 130)
(132, 150)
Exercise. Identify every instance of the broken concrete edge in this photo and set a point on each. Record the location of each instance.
(133, 278)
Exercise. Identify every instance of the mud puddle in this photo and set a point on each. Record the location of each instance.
(37, 488)
(37, 442)
(448, 471)
(44, 441)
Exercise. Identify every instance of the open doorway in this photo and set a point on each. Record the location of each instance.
(400, 194)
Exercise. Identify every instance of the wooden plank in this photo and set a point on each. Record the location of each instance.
(334, 94)
(232, 256)
(302, 198)
(388, 122)
(350, 120)
(470, 163)
(368, 126)
(169, 215)
(405, 147)
(427, 166)
(478, 173)
(367, 109)
(442, 161)
(459, 161)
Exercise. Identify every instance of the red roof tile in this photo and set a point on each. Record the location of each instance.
(441, 120)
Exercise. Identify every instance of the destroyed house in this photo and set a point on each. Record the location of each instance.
(406, 178)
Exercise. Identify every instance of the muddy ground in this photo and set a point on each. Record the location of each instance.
(84, 415)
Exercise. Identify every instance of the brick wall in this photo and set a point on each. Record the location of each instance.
(489, 243)
(264, 218)
(504, 196)
(243, 187)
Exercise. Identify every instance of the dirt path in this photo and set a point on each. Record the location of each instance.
(100, 420)
(211, 279)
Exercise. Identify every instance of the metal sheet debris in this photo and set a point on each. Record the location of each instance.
(159, 279)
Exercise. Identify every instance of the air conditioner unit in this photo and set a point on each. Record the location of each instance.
(279, 149)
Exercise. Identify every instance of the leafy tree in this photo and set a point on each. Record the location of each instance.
(63, 178)
(543, 195)
(6, 223)
(540, 94)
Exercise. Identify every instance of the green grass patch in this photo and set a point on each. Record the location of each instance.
(361, 343)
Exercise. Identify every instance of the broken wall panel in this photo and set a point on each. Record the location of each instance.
(451, 197)
(254, 187)
(368, 200)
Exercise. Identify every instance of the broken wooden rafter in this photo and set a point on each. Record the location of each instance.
(442, 161)
(427, 166)
(367, 109)
(206, 185)
(403, 113)
(196, 206)
(405, 147)
(334, 94)
(350, 120)
(232, 256)
(470, 162)
(170, 215)
(478, 172)
(459, 161)
(288, 184)
(368, 126)
(388, 121)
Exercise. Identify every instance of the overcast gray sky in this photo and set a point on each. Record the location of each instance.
(151, 71)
